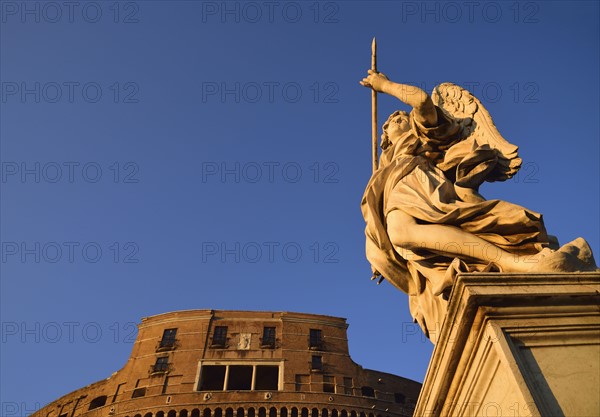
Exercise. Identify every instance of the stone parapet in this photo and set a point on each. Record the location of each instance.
(517, 345)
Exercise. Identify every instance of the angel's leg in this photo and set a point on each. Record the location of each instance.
(406, 233)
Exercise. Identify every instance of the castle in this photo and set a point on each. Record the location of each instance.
(215, 363)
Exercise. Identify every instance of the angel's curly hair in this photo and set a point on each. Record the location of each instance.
(395, 117)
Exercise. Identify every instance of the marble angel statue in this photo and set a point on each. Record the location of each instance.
(425, 219)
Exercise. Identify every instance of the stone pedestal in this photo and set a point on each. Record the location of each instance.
(517, 345)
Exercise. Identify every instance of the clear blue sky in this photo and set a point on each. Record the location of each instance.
(216, 154)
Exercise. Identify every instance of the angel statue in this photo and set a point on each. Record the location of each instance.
(425, 219)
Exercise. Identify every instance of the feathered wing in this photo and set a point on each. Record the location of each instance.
(478, 130)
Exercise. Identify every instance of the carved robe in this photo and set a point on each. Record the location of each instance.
(425, 187)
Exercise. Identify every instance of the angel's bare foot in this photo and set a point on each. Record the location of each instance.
(581, 250)
(552, 261)
(572, 257)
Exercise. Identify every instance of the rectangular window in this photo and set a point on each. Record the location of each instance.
(240, 378)
(348, 386)
(399, 398)
(168, 339)
(367, 392)
(267, 378)
(302, 383)
(161, 365)
(316, 363)
(138, 392)
(315, 341)
(165, 385)
(328, 383)
(219, 336)
(117, 391)
(268, 339)
(212, 378)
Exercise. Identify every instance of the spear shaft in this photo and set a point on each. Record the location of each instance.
(374, 107)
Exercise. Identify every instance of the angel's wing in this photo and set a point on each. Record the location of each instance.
(478, 128)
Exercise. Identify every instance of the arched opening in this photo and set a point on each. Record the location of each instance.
(283, 412)
(272, 412)
(206, 412)
(315, 412)
(352, 413)
(148, 415)
(97, 402)
(304, 412)
(183, 413)
(251, 412)
(334, 413)
(294, 412)
(229, 412)
(195, 413)
(138, 415)
(160, 414)
(240, 412)
(324, 412)
(218, 412)
(344, 413)
(172, 413)
(262, 412)
(362, 414)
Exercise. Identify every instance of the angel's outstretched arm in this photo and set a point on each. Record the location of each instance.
(419, 100)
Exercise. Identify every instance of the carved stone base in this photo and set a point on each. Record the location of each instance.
(517, 345)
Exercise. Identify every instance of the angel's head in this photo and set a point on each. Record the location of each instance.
(394, 127)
